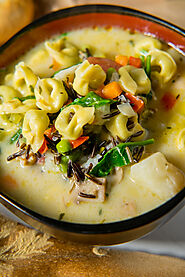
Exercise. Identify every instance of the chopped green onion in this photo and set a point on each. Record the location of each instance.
(22, 99)
(148, 65)
(142, 60)
(63, 35)
(144, 52)
(15, 137)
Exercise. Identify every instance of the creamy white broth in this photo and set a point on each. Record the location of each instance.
(44, 189)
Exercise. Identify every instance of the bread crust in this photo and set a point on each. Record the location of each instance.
(14, 15)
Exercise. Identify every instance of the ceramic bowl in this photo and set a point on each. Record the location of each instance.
(75, 18)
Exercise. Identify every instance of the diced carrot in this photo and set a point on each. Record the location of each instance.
(135, 62)
(56, 66)
(121, 59)
(104, 63)
(168, 101)
(111, 90)
(43, 147)
(138, 104)
(50, 131)
(77, 142)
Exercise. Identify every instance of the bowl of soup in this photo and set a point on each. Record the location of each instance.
(92, 123)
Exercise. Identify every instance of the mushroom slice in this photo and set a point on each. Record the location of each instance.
(90, 190)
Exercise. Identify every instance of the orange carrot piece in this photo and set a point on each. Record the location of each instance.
(49, 132)
(77, 142)
(138, 104)
(43, 147)
(121, 59)
(111, 90)
(168, 101)
(56, 66)
(135, 62)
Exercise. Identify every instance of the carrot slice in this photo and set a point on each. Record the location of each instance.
(121, 59)
(168, 101)
(135, 62)
(43, 147)
(77, 142)
(111, 90)
(50, 131)
(56, 66)
(138, 104)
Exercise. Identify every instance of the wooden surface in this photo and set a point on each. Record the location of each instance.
(26, 253)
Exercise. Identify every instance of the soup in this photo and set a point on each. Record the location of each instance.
(92, 125)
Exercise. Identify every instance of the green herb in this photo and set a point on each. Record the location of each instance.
(22, 99)
(61, 216)
(15, 137)
(100, 212)
(142, 60)
(144, 52)
(148, 65)
(117, 156)
(63, 35)
(64, 164)
(91, 100)
(148, 96)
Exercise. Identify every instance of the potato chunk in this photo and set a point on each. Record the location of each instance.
(158, 176)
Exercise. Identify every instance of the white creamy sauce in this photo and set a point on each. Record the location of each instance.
(43, 189)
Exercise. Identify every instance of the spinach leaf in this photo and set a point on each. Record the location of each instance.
(117, 156)
(91, 100)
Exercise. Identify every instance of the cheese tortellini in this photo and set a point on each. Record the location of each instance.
(72, 119)
(134, 80)
(34, 124)
(7, 93)
(147, 44)
(24, 79)
(50, 95)
(63, 52)
(88, 76)
(163, 66)
(16, 106)
(123, 126)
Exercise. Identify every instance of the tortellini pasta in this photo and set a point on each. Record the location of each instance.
(67, 73)
(72, 119)
(163, 66)
(119, 127)
(16, 106)
(10, 122)
(63, 52)
(24, 79)
(147, 44)
(134, 80)
(50, 95)
(7, 93)
(34, 124)
(181, 140)
(88, 76)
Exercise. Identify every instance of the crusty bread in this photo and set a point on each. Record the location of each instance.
(14, 15)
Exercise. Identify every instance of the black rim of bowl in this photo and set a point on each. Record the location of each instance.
(112, 227)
